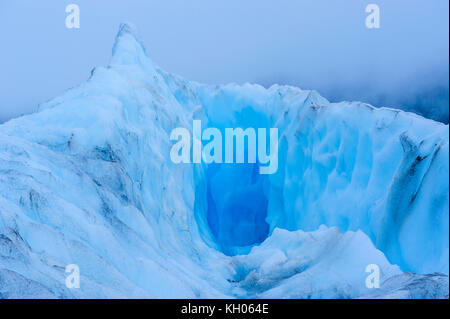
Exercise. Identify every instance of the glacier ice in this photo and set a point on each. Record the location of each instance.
(87, 180)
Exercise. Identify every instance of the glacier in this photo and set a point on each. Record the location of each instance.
(87, 180)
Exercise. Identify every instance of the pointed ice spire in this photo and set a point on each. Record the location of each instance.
(128, 47)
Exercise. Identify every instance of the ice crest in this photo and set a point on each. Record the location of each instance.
(128, 48)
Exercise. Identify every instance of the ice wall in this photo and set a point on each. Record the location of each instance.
(350, 165)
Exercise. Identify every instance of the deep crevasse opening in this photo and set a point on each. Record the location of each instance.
(233, 199)
(237, 206)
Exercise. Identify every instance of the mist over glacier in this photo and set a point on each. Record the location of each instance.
(88, 180)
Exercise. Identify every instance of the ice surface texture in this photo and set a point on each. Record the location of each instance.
(88, 180)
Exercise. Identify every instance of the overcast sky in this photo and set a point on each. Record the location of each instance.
(313, 44)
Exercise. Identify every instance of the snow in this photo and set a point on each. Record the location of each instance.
(324, 263)
(88, 180)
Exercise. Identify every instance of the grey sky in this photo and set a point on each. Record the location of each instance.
(320, 44)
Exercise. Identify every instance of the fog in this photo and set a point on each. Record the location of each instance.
(322, 45)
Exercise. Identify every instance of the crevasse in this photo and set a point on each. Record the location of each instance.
(88, 180)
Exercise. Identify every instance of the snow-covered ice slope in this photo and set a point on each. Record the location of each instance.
(88, 180)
